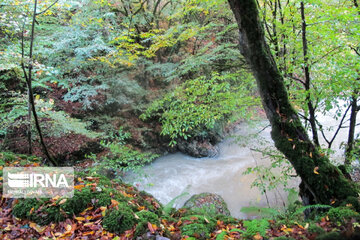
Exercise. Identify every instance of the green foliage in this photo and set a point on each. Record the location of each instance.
(275, 175)
(294, 211)
(119, 220)
(123, 158)
(199, 104)
(256, 226)
(55, 123)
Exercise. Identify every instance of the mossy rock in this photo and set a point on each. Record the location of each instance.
(208, 203)
(119, 220)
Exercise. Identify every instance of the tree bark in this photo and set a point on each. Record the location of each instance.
(322, 182)
(352, 126)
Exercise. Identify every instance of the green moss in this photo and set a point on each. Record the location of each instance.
(147, 200)
(313, 228)
(353, 202)
(23, 207)
(45, 212)
(38, 211)
(198, 226)
(119, 220)
(330, 236)
(78, 202)
(342, 214)
(284, 238)
(256, 226)
(144, 218)
(197, 230)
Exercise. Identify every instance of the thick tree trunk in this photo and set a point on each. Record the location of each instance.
(352, 126)
(321, 181)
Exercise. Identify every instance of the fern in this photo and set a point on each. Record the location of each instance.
(261, 211)
(168, 207)
(310, 207)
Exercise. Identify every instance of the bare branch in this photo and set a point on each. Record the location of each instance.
(39, 13)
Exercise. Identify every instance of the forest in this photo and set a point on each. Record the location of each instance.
(219, 95)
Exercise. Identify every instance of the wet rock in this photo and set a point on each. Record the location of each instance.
(198, 148)
(209, 202)
(150, 236)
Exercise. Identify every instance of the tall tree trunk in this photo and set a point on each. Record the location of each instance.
(322, 182)
(28, 78)
(307, 78)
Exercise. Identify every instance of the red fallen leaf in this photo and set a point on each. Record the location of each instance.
(152, 230)
(194, 218)
(186, 222)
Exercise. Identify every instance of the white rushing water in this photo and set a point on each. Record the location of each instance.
(173, 174)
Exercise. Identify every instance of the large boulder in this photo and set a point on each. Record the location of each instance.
(209, 203)
(197, 148)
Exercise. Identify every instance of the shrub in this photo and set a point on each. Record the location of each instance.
(199, 105)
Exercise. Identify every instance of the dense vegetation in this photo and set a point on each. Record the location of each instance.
(113, 84)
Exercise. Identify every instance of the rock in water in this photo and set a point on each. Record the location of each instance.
(208, 202)
(197, 148)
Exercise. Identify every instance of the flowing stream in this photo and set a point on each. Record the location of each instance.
(171, 175)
